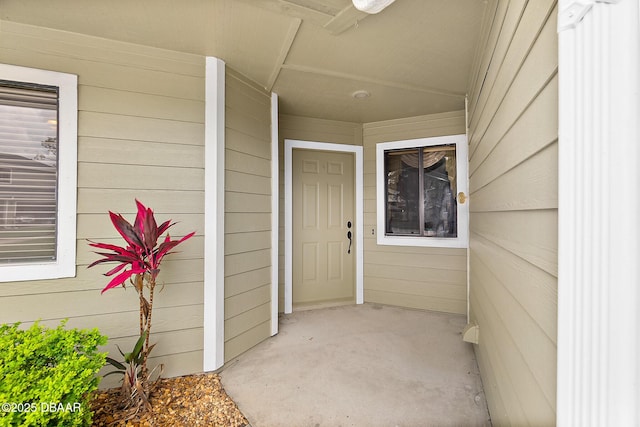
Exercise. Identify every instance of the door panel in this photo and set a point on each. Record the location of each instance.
(310, 261)
(323, 204)
(310, 206)
(335, 205)
(335, 265)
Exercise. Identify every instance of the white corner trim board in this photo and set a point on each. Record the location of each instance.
(289, 145)
(214, 141)
(275, 212)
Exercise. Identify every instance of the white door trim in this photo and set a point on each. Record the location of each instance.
(289, 145)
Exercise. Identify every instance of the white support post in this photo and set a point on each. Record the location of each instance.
(599, 214)
(213, 354)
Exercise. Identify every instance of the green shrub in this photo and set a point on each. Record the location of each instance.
(47, 375)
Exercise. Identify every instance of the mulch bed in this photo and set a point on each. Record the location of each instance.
(193, 400)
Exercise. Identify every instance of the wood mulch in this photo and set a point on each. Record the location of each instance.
(193, 400)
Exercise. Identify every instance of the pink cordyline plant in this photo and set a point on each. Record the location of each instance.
(139, 263)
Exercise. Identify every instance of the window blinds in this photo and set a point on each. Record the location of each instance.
(28, 172)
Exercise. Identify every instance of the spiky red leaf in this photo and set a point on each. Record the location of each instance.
(103, 260)
(164, 227)
(167, 245)
(120, 278)
(150, 230)
(106, 246)
(126, 230)
(114, 270)
(142, 211)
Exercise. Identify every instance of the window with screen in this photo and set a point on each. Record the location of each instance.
(37, 173)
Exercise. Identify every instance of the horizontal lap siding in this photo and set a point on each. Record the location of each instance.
(247, 262)
(416, 277)
(307, 129)
(513, 200)
(140, 135)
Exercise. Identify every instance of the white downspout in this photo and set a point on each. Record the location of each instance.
(466, 131)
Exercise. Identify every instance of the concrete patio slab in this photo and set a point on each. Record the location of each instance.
(367, 365)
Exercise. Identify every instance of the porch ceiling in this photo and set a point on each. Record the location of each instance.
(413, 57)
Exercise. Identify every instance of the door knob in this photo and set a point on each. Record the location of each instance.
(462, 198)
(349, 237)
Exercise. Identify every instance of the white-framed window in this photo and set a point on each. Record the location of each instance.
(421, 189)
(38, 179)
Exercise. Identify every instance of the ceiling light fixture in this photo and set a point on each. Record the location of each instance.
(371, 6)
(361, 94)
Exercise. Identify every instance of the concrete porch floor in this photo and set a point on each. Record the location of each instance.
(368, 365)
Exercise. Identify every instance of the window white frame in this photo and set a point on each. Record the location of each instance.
(462, 241)
(65, 263)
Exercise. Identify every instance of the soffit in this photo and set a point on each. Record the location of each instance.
(414, 57)
(331, 99)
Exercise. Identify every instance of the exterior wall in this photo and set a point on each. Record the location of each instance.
(247, 306)
(513, 200)
(307, 129)
(425, 278)
(140, 135)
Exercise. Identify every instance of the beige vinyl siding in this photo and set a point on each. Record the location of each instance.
(416, 277)
(140, 135)
(307, 129)
(513, 201)
(247, 261)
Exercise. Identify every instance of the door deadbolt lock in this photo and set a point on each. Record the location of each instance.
(462, 198)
